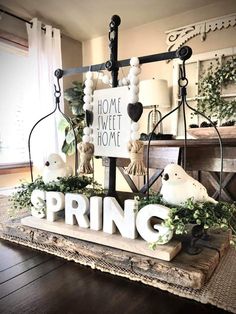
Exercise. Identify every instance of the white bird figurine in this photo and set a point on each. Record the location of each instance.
(55, 168)
(178, 187)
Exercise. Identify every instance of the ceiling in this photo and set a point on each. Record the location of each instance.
(86, 19)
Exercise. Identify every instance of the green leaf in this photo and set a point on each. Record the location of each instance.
(65, 147)
(62, 125)
(70, 137)
(71, 149)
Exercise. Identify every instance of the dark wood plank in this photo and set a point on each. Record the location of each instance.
(22, 267)
(159, 157)
(9, 256)
(208, 159)
(29, 276)
(77, 289)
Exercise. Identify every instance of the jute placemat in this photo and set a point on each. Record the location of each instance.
(220, 290)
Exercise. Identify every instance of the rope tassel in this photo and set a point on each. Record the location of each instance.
(86, 151)
(136, 166)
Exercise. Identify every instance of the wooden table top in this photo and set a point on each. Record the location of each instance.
(193, 142)
(36, 282)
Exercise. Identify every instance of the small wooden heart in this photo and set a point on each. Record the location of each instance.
(89, 117)
(135, 111)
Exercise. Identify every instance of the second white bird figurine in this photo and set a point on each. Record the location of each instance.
(55, 168)
(178, 187)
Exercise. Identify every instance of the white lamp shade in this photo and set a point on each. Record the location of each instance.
(154, 92)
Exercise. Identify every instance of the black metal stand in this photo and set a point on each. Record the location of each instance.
(113, 66)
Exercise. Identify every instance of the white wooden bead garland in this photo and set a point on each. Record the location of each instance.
(86, 148)
(104, 78)
(135, 109)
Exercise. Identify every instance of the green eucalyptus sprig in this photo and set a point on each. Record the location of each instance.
(73, 184)
(210, 88)
(221, 215)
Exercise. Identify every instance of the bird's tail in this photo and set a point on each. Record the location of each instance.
(211, 200)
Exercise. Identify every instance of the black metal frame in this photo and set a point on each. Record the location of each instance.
(113, 66)
(183, 82)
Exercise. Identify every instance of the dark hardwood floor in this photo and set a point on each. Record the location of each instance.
(35, 282)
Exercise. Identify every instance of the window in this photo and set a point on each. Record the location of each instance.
(195, 67)
(15, 100)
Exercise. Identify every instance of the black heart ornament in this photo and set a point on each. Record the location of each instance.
(89, 117)
(135, 111)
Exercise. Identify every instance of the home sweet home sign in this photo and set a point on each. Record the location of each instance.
(111, 123)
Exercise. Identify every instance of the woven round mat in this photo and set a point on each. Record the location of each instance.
(219, 291)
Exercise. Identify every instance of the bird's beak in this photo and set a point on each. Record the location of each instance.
(166, 177)
(47, 163)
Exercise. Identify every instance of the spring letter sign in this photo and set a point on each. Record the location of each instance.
(111, 125)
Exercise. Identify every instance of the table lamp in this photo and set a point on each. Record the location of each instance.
(153, 94)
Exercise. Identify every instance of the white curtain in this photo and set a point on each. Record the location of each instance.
(45, 58)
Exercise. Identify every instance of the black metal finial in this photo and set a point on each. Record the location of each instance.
(109, 65)
(184, 53)
(115, 20)
(58, 73)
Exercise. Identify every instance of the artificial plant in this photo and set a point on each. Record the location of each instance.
(21, 198)
(74, 96)
(208, 215)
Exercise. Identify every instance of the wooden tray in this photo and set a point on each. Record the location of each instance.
(225, 132)
(190, 271)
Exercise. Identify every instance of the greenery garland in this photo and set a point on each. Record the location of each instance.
(221, 215)
(21, 199)
(211, 104)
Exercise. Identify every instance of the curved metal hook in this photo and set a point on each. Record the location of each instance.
(184, 103)
(29, 139)
(220, 144)
(57, 95)
(149, 142)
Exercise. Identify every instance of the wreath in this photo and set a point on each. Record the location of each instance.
(211, 103)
